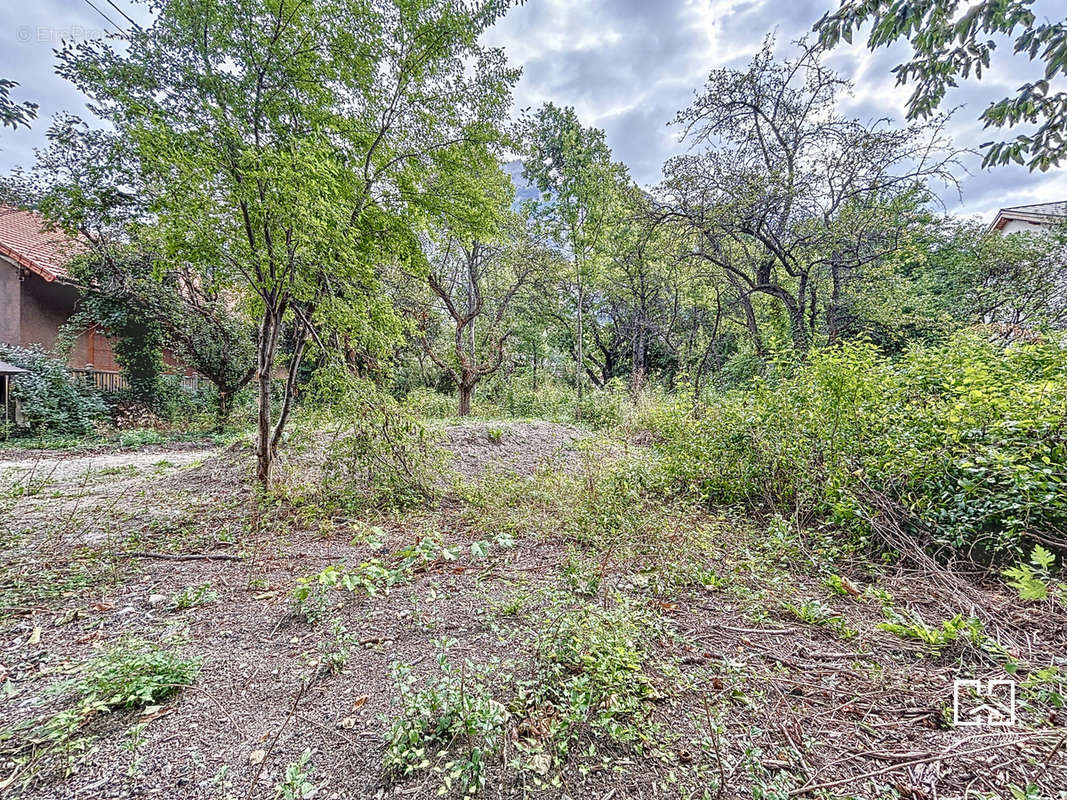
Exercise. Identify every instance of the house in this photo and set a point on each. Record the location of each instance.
(37, 294)
(1034, 217)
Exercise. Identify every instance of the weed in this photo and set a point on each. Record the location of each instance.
(132, 744)
(496, 435)
(912, 626)
(136, 673)
(1034, 581)
(591, 677)
(452, 723)
(815, 612)
(296, 783)
(335, 650)
(132, 674)
(193, 596)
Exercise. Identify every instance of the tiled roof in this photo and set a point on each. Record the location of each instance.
(26, 239)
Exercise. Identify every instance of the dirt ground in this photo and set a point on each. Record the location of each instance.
(746, 697)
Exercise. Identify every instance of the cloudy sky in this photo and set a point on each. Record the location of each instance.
(625, 65)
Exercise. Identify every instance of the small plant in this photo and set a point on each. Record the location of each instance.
(452, 723)
(194, 596)
(1034, 581)
(496, 435)
(912, 626)
(296, 784)
(815, 612)
(592, 678)
(335, 650)
(136, 673)
(132, 744)
(310, 600)
(132, 674)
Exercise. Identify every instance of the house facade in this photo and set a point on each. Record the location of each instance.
(37, 294)
(1035, 217)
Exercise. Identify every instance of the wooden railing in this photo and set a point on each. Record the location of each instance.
(112, 380)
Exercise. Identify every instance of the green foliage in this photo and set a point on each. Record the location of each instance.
(193, 596)
(592, 676)
(947, 45)
(12, 113)
(50, 399)
(1034, 581)
(911, 625)
(296, 783)
(378, 453)
(450, 724)
(966, 440)
(815, 612)
(136, 673)
(131, 674)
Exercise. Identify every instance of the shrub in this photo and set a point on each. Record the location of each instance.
(964, 445)
(50, 400)
(379, 454)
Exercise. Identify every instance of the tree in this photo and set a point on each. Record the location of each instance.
(289, 147)
(572, 167)
(86, 183)
(148, 308)
(13, 114)
(481, 259)
(949, 42)
(789, 199)
(1015, 282)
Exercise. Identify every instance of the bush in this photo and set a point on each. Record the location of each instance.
(136, 673)
(50, 400)
(378, 454)
(964, 445)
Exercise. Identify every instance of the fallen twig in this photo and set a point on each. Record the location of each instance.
(185, 556)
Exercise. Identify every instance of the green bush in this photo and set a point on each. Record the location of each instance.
(967, 441)
(378, 453)
(50, 400)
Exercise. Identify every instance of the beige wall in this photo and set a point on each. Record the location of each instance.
(10, 303)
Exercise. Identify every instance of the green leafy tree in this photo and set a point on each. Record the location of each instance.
(480, 265)
(85, 182)
(571, 166)
(952, 40)
(291, 146)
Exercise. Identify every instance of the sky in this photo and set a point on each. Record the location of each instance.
(626, 66)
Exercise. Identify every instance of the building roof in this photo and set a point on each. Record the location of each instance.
(10, 369)
(1036, 213)
(27, 239)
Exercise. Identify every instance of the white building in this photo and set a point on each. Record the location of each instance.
(1030, 218)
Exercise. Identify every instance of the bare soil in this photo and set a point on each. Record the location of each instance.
(748, 696)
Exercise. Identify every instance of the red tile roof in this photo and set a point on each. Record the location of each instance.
(26, 239)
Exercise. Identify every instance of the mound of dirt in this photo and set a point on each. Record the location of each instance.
(518, 447)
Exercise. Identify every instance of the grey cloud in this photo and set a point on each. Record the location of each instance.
(626, 66)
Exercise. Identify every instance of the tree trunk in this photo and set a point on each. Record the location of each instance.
(466, 391)
(265, 350)
(222, 409)
(579, 373)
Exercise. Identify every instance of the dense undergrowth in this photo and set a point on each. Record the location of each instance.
(962, 446)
